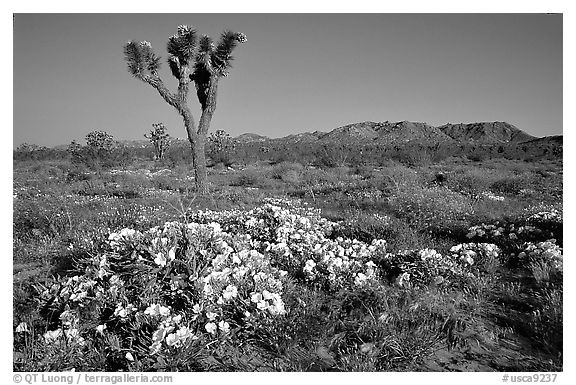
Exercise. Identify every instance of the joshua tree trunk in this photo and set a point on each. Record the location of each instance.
(199, 160)
(208, 103)
(198, 146)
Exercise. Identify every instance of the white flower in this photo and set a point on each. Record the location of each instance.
(129, 356)
(100, 329)
(256, 297)
(211, 327)
(230, 292)
(467, 259)
(157, 310)
(310, 264)
(224, 327)
(215, 227)
(184, 333)
(360, 279)
(172, 339)
(160, 259)
(211, 315)
(120, 311)
(267, 295)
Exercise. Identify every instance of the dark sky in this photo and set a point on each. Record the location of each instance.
(296, 73)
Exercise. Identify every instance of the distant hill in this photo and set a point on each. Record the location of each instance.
(387, 133)
(248, 137)
(485, 132)
(355, 131)
(402, 132)
(306, 137)
(393, 133)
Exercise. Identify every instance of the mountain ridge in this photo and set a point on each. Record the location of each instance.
(405, 131)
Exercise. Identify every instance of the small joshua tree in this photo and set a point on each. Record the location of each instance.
(220, 146)
(98, 150)
(159, 139)
(100, 141)
(191, 60)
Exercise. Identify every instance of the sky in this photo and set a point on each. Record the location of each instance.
(296, 73)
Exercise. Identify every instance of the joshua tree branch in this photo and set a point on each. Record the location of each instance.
(158, 84)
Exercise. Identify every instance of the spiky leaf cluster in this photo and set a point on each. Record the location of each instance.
(216, 59)
(141, 58)
(213, 60)
(181, 48)
(222, 55)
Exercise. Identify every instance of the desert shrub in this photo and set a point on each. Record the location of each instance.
(251, 176)
(317, 177)
(470, 181)
(335, 155)
(287, 172)
(414, 157)
(398, 176)
(426, 206)
(511, 185)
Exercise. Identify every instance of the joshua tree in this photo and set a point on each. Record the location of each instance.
(98, 151)
(220, 146)
(159, 139)
(190, 60)
(100, 141)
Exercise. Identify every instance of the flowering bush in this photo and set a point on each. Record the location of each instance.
(480, 256)
(552, 216)
(297, 240)
(166, 287)
(547, 252)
